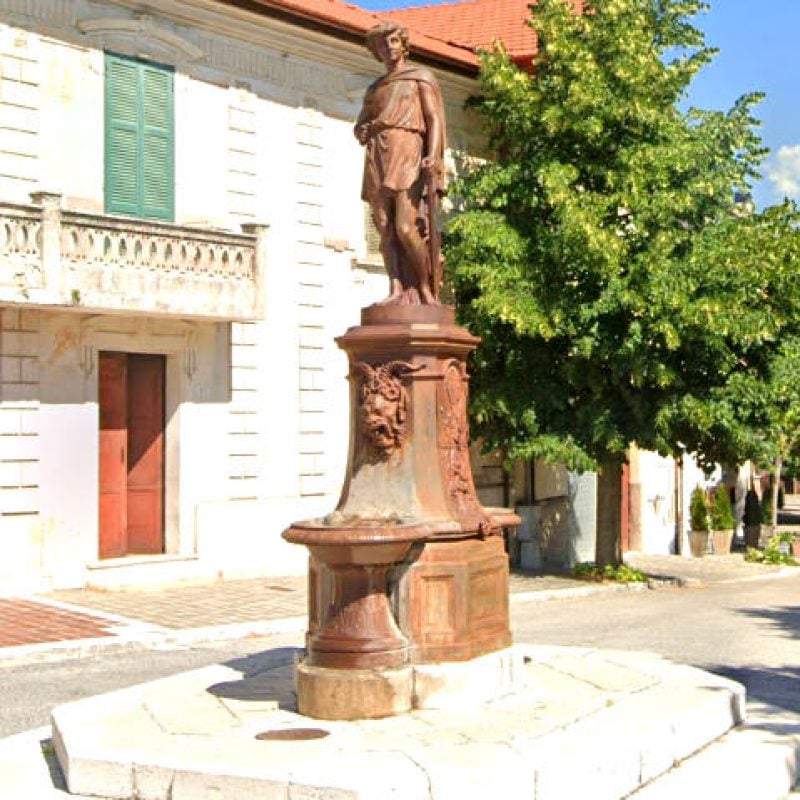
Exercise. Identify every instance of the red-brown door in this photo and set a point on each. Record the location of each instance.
(625, 509)
(131, 400)
(112, 399)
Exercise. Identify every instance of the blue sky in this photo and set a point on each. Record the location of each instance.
(759, 44)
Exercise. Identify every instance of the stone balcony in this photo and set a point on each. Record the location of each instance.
(53, 258)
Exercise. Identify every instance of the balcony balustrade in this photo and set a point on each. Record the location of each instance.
(55, 258)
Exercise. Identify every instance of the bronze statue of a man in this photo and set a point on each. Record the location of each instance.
(402, 127)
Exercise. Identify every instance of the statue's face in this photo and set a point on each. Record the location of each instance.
(379, 415)
(391, 49)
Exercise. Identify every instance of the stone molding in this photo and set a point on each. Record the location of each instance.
(58, 12)
(53, 257)
(143, 26)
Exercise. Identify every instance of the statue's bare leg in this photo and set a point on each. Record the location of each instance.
(406, 204)
(383, 217)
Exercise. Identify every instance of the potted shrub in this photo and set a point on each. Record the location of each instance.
(752, 518)
(722, 521)
(698, 520)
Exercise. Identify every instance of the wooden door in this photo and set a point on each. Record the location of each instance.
(625, 510)
(131, 400)
(112, 399)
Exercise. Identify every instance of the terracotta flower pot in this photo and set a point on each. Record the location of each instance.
(721, 542)
(698, 543)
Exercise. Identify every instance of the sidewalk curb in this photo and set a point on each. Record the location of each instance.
(131, 634)
(151, 640)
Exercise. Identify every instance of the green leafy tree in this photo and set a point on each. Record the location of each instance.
(591, 252)
(770, 405)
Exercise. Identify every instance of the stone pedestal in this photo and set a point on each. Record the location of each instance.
(452, 599)
(353, 693)
(409, 568)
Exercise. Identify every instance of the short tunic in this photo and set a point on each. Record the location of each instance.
(393, 157)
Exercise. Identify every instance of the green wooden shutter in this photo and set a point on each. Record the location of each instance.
(140, 172)
(122, 136)
(158, 196)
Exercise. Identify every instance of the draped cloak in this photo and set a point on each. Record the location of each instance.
(395, 146)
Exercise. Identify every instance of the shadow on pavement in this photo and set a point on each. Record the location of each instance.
(785, 619)
(266, 659)
(266, 676)
(774, 686)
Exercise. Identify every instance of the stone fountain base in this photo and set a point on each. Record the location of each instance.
(590, 723)
(337, 694)
(409, 573)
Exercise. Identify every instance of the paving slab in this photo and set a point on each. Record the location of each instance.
(599, 725)
(760, 759)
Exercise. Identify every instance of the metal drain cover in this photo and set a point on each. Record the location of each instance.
(292, 734)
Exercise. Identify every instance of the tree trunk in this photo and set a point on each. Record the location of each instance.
(776, 483)
(608, 543)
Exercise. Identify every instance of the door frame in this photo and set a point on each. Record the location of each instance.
(138, 406)
(176, 540)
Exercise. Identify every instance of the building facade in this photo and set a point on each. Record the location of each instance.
(181, 240)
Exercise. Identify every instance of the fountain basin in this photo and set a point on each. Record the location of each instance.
(351, 621)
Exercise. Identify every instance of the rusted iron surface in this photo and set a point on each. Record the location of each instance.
(409, 567)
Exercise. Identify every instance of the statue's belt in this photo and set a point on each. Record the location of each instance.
(374, 128)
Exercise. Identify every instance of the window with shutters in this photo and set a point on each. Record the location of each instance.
(140, 149)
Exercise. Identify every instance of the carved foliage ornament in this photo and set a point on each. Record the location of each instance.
(454, 433)
(382, 406)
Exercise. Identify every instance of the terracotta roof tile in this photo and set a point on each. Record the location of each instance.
(476, 23)
(346, 17)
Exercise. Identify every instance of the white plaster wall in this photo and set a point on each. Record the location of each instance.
(71, 131)
(196, 437)
(201, 127)
(657, 478)
(20, 111)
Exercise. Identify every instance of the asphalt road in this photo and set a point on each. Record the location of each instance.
(749, 631)
(29, 691)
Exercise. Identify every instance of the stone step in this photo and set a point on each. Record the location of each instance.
(592, 723)
(759, 760)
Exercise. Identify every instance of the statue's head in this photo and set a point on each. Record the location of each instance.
(378, 34)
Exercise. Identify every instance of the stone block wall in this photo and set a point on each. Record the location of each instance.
(20, 447)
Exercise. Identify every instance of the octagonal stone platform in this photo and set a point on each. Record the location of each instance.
(590, 724)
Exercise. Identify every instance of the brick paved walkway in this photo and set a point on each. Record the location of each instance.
(228, 602)
(182, 607)
(27, 622)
